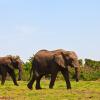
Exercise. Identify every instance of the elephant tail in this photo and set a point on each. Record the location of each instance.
(32, 70)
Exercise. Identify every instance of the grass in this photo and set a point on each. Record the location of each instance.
(83, 90)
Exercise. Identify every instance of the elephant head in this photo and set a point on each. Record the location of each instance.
(71, 59)
(16, 63)
(68, 58)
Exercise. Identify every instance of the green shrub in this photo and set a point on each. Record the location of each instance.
(88, 74)
(26, 71)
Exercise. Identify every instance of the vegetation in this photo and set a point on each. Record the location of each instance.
(91, 70)
(26, 70)
(83, 90)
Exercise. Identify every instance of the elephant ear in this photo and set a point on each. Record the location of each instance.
(66, 55)
(59, 60)
(10, 62)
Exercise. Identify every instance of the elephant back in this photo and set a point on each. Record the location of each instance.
(5, 60)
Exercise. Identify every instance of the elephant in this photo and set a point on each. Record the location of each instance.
(51, 62)
(9, 64)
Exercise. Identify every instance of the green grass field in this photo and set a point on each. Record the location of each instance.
(83, 90)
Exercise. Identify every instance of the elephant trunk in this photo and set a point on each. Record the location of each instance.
(77, 73)
(20, 72)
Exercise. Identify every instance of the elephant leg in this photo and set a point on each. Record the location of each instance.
(53, 78)
(65, 73)
(30, 84)
(38, 82)
(13, 76)
(3, 78)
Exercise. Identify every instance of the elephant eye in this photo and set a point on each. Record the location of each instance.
(71, 59)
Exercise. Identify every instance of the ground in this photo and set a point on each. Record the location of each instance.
(83, 90)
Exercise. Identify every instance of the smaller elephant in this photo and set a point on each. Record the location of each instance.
(51, 62)
(9, 64)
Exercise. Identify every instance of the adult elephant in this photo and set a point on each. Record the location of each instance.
(50, 62)
(8, 64)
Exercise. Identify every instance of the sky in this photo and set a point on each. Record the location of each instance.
(26, 26)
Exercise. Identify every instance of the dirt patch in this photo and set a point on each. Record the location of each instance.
(5, 98)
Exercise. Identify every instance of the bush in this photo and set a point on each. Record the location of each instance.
(88, 74)
(26, 71)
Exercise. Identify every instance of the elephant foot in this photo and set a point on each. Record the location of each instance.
(38, 88)
(30, 87)
(19, 79)
(68, 88)
(51, 87)
(2, 83)
(77, 80)
(16, 84)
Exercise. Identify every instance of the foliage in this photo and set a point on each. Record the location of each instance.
(81, 62)
(91, 70)
(92, 63)
(88, 74)
(26, 70)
